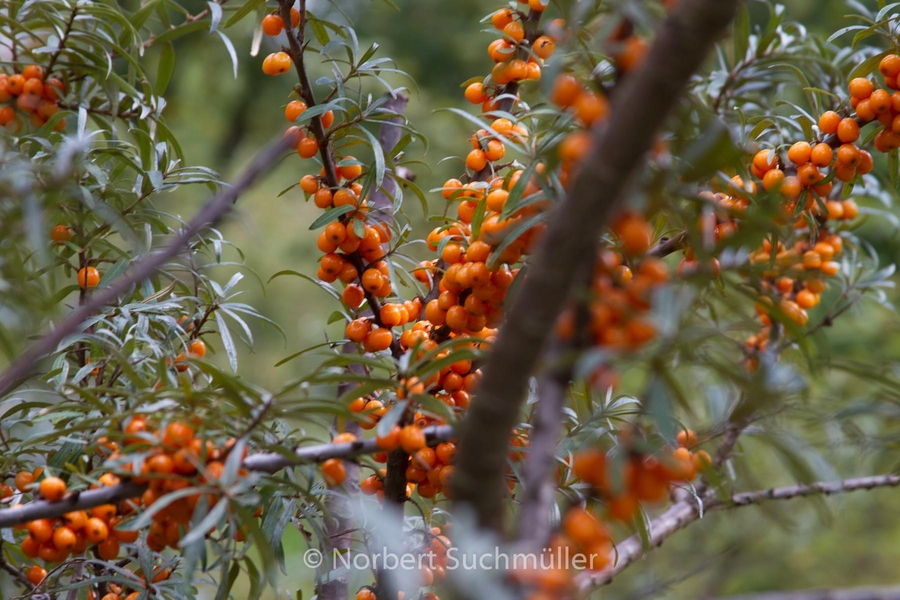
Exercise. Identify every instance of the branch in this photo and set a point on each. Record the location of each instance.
(683, 513)
(295, 41)
(639, 110)
(268, 462)
(339, 510)
(211, 212)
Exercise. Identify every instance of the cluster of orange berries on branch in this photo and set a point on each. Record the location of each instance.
(625, 480)
(175, 459)
(621, 298)
(582, 536)
(33, 96)
(272, 25)
(518, 57)
(53, 540)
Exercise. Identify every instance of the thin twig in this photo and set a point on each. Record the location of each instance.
(686, 511)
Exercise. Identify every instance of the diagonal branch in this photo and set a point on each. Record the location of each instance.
(639, 110)
(683, 513)
(211, 212)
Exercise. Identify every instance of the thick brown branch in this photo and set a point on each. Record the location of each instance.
(639, 111)
(268, 462)
(211, 212)
(686, 511)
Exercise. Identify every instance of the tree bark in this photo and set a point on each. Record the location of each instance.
(639, 110)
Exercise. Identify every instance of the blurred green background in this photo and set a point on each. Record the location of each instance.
(222, 122)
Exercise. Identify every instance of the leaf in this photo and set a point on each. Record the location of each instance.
(868, 66)
(231, 52)
(114, 271)
(243, 11)
(227, 341)
(215, 12)
(330, 215)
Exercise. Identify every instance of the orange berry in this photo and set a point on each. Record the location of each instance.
(829, 121)
(800, 153)
(861, 88)
(23, 481)
(412, 438)
(476, 160)
(88, 277)
(379, 339)
(334, 472)
(634, 233)
(272, 25)
(53, 488)
(543, 47)
(475, 93)
(515, 31)
(36, 574)
(848, 130)
(277, 63)
(308, 147)
(294, 109)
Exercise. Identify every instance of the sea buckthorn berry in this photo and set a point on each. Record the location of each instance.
(379, 339)
(686, 438)
(848, 130)
(808, 174)
(634, 233)
(276, 63)
(328, 119)
(791, 187)
(357, 331)
(475, 93)
(829, 121)
(52, 488)
(565, 91)
(822, 155)
(502, 18)
(36, 574)
(272, 25)
(544, 47)
(412, 439)
(88, 277)
(800, 153)
(390, 441)
(772, 180)
(334, 472)
(33, 72)
(890, 65)
(61, 233)
(861, 88)
(515, 31)
(880, 101)
(308, 147)
(476, 160)
(294, 109)
(765, 160)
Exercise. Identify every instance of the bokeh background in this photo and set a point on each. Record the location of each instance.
(222, 122)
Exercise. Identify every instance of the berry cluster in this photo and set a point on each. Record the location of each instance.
(36, 98)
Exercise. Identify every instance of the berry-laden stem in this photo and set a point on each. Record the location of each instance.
(296, 42)
(339, 509)
(686, 511)
(211, 212)
(268, 462)
(639, 110)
